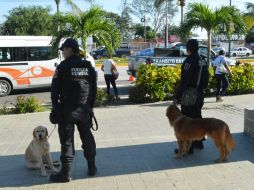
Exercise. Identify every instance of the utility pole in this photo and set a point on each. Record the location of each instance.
(229, 41)
(145, 28)
(58, 14)
(166, 27)
(182, 3)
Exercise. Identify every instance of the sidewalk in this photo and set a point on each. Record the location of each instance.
(134, 151)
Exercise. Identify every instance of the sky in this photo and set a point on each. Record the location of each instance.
(109, 5)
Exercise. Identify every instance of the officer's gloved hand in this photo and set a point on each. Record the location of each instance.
(53, 116)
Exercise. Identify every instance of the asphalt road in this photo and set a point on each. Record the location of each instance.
(44, 94)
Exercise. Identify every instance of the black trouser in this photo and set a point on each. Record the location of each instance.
(66, 135)
(110, 79)
(222, 84)
(194, 112)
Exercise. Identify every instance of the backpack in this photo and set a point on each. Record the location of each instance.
(205, 75)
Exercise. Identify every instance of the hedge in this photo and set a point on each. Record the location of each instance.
(160, 83)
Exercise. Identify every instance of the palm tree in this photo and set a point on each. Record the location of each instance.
(71, 3)
(90, 23)
(200, 15)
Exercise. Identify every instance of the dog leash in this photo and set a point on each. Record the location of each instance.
(96, 123)
(52, 131)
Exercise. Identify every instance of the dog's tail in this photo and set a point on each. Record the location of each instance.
(230, 143)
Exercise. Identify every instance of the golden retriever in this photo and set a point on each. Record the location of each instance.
(37, 154)
(188, 129)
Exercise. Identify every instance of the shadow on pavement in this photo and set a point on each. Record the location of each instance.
(130, 159)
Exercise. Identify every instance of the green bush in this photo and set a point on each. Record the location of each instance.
(102, 98)
(27, 105)
(157, 84)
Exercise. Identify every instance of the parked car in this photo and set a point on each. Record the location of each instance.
(99, 53)
(163, 57)
(240, 51)
(181, 47)
(123, 51)
(218, 49)
(146, 52)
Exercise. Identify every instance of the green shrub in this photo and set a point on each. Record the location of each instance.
(27, 105)
(154, 84)
(102, 98)
(157, 84)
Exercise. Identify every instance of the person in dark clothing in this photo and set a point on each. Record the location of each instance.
(74, 89)
(189, 76)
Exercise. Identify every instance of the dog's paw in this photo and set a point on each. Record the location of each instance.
(218, 160)
(44, 174)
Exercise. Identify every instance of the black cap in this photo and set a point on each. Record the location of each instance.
(70, 43)
(222, 52)
(192, 45)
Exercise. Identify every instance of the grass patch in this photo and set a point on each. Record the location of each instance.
(118, 61)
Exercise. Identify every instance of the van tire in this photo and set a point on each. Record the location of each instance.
(5, 87)
(247, 54)
(234, 55)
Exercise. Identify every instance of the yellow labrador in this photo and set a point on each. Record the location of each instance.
(37, 154)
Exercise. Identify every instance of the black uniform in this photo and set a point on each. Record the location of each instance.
(74, 86)
(189, 76)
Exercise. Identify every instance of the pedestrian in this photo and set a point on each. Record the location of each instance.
(221, 70)
(108, 67)
(193, 77)
(74, 90)
(148, 61)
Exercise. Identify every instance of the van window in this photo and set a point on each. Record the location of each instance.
(19, 54)
(6, 54)
(40, 53)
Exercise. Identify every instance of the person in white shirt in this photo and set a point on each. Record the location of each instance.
(107, 66)
(221, 70)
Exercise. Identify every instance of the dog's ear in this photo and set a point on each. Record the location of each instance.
(34, 133)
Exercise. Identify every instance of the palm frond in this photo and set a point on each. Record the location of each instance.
(89, 23)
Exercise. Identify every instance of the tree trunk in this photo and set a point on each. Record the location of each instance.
(209, 47)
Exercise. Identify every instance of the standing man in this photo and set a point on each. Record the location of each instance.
(189, 77)
(74, 89)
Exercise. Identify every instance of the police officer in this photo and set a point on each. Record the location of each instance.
(189, 76)
(74, 86)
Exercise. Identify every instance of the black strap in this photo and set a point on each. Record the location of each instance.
(96, 123)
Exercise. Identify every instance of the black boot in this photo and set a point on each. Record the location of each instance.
(198, 144)
(63, 176)
(91, 168)
(189, 152)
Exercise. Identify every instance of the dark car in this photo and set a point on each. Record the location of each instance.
(100, 53)
(123, 51)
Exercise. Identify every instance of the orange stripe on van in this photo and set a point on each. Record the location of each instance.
(16, 74)
(13, 72)
(23, 81)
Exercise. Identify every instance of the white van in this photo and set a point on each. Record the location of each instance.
(27, 62)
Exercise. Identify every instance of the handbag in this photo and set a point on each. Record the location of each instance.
(190, 95)
(115, 74)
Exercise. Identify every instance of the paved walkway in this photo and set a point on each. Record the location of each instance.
(134, 151)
